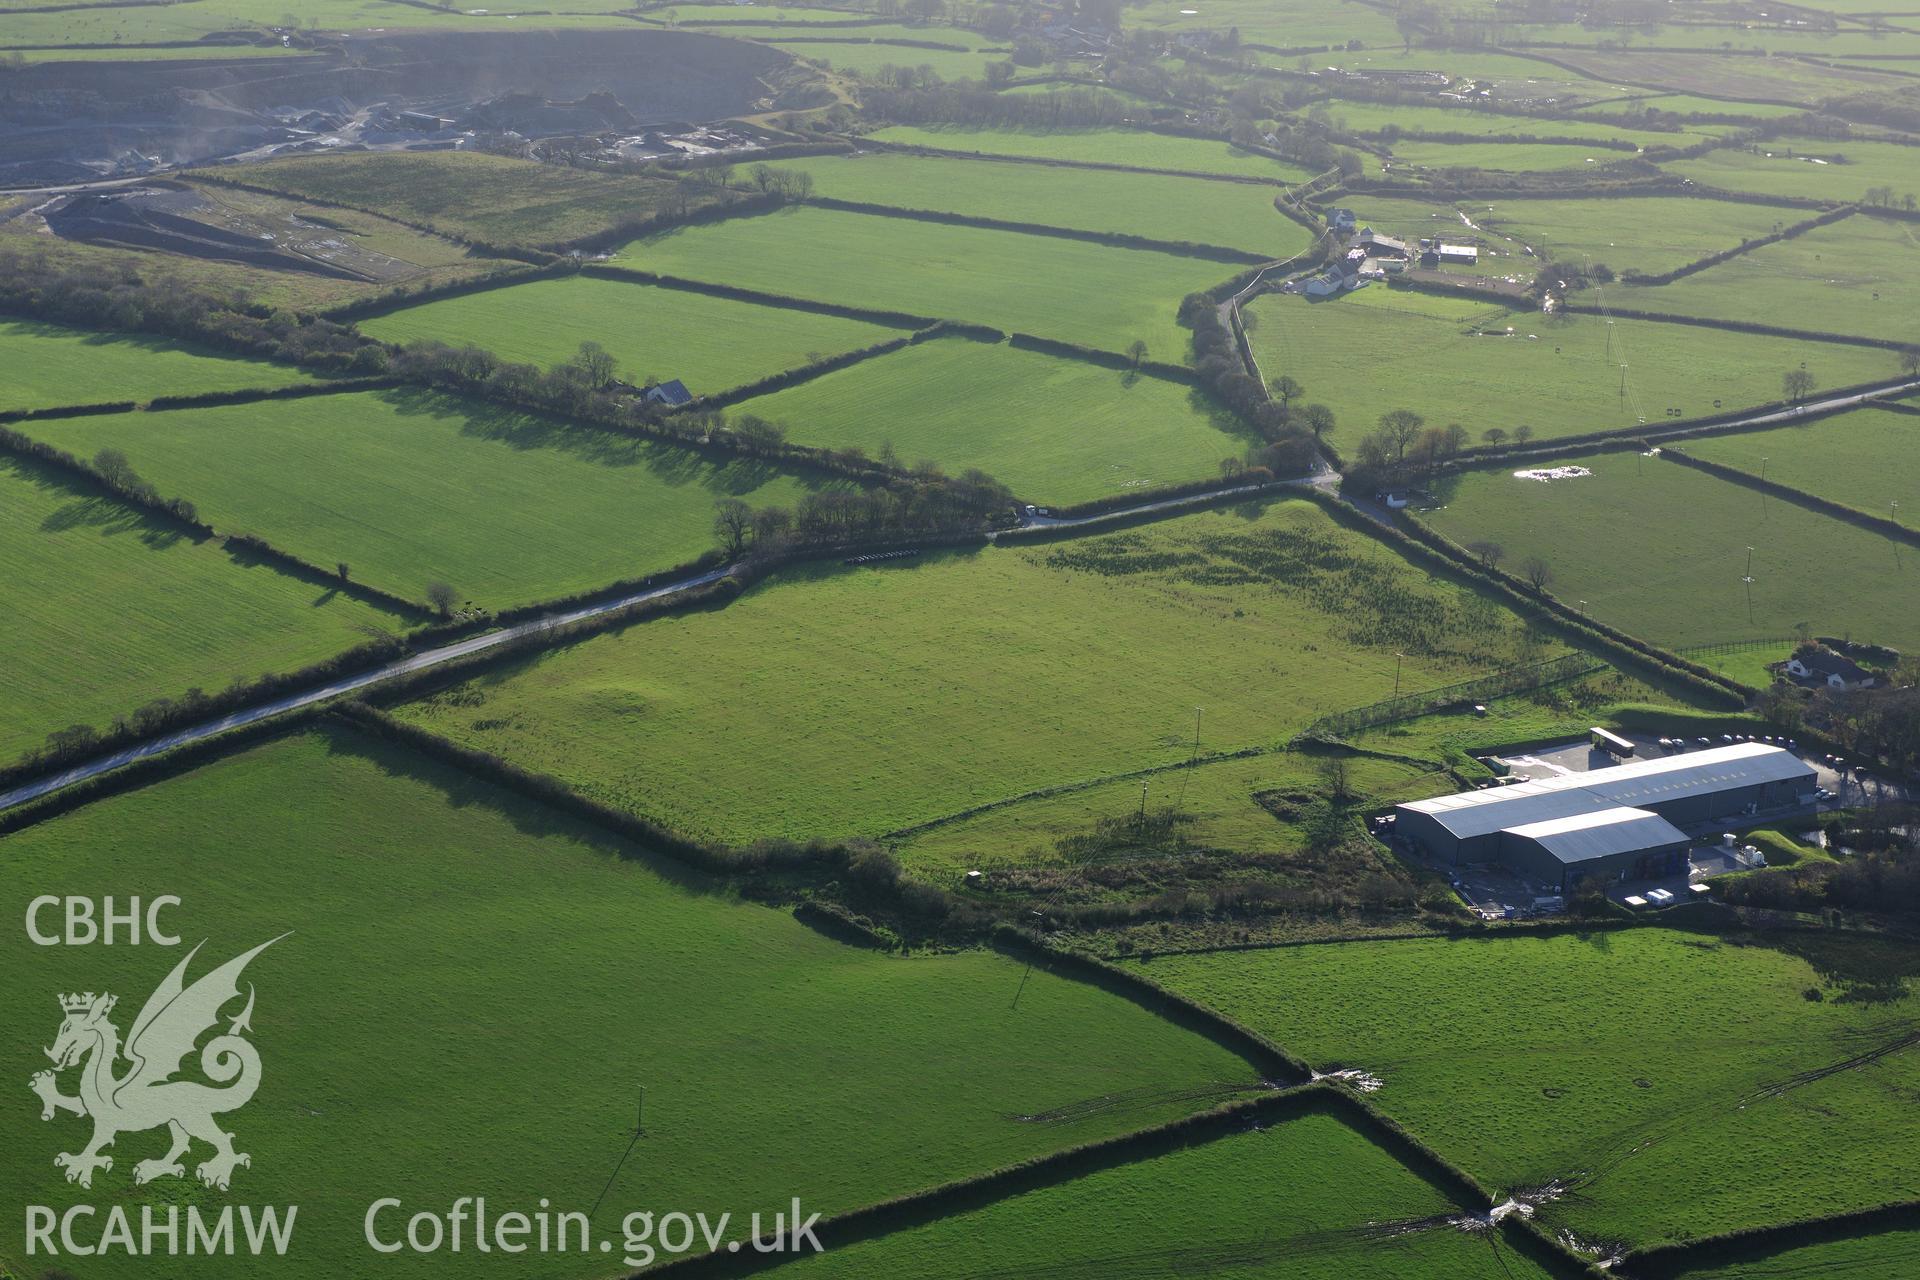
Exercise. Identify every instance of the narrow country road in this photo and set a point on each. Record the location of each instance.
(348, 684)
(1323, 477)
(494, 639)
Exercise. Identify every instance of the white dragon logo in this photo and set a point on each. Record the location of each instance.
(146, 1096)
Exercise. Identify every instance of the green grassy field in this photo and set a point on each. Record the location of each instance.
(1454, 359)
(1857, 276)
(1012, 281)
(1646, 235)
(1510, 157)
(830, 701)
(1866, 459)
(1283, 23)
(411, 488)
(1233, 214)
(1888, 1253)
(1790, 167)
(696, 14)
(1709, 37)
(1769, 79)
(108, 610)
(1640, 1065)
(1100, 146)
(474, 987)
(1626, 110)
(1609, 539)
(1292, 1202)
(1053, 429)
(1372, 117)
(1216, 803)
(1512, 75)
(711, 344)
(469, 193)
(44, 365)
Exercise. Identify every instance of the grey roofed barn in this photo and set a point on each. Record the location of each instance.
(1583, 837)
(1664, 778)
(1574, 825)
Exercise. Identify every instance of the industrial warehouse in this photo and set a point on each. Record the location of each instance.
(1619, 823)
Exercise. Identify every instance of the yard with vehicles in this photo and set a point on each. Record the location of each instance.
(1489, 367)
(710, 344)
(1668, 1085)
(409, 489)
(514, 978)
(1025, 417)
(1007, 279)
(1037, 647)
(1807, 567)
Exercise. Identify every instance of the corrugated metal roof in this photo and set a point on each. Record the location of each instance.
(1583, 837)
(1473, 813)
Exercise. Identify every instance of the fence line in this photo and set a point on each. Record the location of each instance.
(1407, 706)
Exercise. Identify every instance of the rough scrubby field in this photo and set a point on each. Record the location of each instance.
(711, 344)
(489, 198)
(410, 488)
(1458, 360)
(1608, 540)
(1296, 1201)
(1007, 279)
(1662, 1073)
(107, 610)
(1054, 429)
(474, 989)
(1217, 803)
(44, 365)
(831, 702)
(1235, 215)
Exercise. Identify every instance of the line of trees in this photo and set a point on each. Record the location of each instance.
(924, 501)
(1403, 448)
